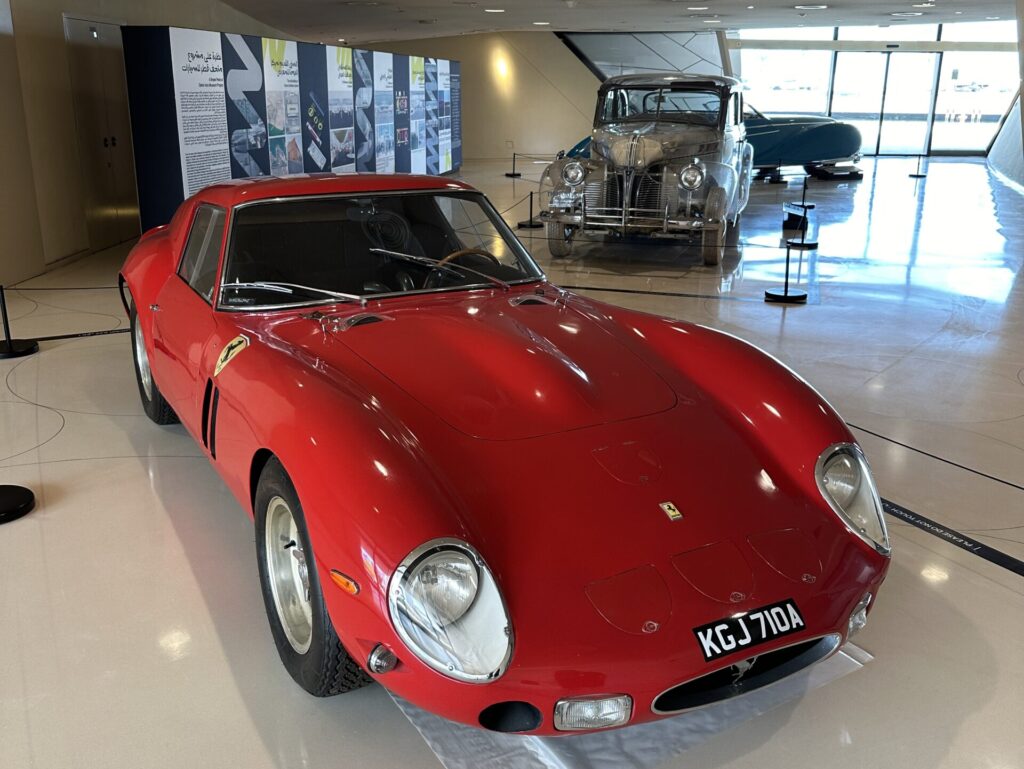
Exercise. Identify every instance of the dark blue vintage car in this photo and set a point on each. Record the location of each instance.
(825, 147)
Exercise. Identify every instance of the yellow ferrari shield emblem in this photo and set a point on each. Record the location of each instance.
(671, 511)
(229, 352)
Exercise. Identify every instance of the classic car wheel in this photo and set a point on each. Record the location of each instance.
(305, 638)
(559, 239)
(712, 244)
(153, 402)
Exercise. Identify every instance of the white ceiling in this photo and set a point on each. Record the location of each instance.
(362, 21)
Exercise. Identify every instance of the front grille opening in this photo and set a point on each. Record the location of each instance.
(510, 717)
(746, 676)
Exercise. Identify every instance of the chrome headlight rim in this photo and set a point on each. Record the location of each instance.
(700, 168)
(575, 165)
(854, 451)
(395, 588)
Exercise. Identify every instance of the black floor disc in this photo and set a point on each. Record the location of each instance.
(15, 501)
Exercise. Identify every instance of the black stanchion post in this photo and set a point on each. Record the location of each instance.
(13, 348)
(514, 174)
(531, 223)
(796, 296)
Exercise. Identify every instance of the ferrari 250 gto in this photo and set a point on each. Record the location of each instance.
(514, 506)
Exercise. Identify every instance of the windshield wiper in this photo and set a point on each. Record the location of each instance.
(291, 288)
(451, 267)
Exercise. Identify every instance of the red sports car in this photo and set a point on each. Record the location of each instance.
(518, 508)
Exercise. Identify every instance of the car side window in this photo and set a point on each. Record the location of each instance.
(202, 251)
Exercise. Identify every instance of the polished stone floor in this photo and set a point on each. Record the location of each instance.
(131, 623)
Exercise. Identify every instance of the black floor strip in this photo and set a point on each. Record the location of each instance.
(954, 537)
(1011, 484)
(82, 335)
(647, 292)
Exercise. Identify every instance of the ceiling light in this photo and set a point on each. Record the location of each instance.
(923, 5)
(541, 23)
(341, 40)
(903, 14)
(810, 7)
(991, 18)
(494, 10)
(712, 21)
(697, 8)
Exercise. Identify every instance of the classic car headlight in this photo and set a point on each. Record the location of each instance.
(845, 482)
(573, 173)
(692, 177)
(446, 607)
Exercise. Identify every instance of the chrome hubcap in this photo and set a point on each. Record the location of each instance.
(289, 575)
(142, 362)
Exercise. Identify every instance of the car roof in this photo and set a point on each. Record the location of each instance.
(237, 191)
(672, 78)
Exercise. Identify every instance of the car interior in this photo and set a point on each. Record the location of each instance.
(330, 244)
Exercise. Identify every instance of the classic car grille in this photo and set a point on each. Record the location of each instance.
(646, 204)
(729, 682)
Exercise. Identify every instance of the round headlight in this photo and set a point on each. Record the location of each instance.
(692, 177)
(845, 482)
(446, 607)
(444, 585)
(573, 173)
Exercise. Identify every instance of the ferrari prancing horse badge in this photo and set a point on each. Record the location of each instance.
(232, 349)
(671, 511)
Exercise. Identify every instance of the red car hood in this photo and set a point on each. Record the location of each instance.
(501, 370)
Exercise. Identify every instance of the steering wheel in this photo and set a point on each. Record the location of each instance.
(435, 274)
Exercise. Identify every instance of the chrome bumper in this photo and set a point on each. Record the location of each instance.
(647, 221)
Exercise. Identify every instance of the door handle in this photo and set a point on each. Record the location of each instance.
(113, 141)
(154, 308)
(106, 142)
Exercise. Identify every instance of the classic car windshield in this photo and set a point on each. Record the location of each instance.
(318, 250)
(684, 105)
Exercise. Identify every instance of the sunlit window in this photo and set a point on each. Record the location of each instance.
(892, 33)
(788, 33)
(975, 88)
(787, 81)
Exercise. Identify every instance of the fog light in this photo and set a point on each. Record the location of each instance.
(859, 618)
(598, 713)
(382, 660)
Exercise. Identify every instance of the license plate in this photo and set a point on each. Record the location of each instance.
(717, 639)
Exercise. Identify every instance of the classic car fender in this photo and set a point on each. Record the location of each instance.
(370, 495)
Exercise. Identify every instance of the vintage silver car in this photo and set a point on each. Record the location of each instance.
(669, 159)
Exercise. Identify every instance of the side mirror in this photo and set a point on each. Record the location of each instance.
(560, 155)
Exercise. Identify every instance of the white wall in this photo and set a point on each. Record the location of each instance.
(54, 178)
(21, 245)
(521, 91)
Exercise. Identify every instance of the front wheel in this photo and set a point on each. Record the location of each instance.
(306, 641)
(153, 402)
(559, 239)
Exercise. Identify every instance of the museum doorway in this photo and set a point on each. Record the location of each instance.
(103, 128)
(888, 96)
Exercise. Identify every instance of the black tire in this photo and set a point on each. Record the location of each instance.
(153, 403)
(559, 239)
(325, 668)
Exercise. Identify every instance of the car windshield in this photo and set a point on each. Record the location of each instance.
(307, 251)
(684, 105)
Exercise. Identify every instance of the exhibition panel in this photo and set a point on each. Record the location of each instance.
(246, 106)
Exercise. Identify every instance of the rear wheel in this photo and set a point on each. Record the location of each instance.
(306, 641)
(153, 402)
(559, 239)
